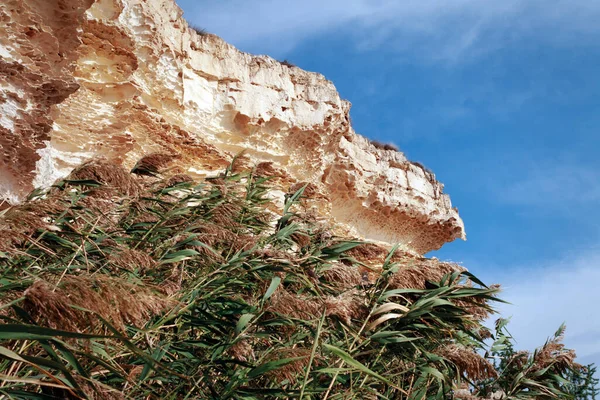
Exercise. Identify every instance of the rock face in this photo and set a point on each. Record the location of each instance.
(122, 78)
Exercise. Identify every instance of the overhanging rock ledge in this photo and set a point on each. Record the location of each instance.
(122, 78)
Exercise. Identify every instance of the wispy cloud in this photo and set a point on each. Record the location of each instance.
(552, 185)
(446, 31)
(545, 296)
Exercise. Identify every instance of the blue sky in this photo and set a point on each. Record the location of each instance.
(500, 99)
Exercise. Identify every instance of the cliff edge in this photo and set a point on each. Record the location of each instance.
(119, 79)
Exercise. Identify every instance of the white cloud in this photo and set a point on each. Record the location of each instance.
(545, 296)
(552, 184)
(438, 30)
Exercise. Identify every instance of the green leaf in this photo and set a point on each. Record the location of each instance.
(157, 355)
(332, 370)
(473, 278)
(560, 331)
(271, 365)
(23, 395)
(61, 241)
(32, 332)
(432, 371)
(242, 322)
(387, 262)
(392, 337)
(40, 362)
(83, 182)
(293, 199)
(272, 287)
(10, 354)
(69, 357)
(178, 256)
(347, 358)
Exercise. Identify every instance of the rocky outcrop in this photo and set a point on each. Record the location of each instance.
(122, 78)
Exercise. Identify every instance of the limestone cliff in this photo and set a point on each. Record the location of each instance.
(122, 78)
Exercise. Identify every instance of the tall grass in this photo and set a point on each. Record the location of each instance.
(116, 286)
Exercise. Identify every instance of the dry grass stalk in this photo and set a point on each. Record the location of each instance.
(176, 179)
(21, 221)
(172, 285)
(108, 174)
(216, 235)
(484, 333)
(153, 163)
(301, 239)
(272, 255)
(293, 371)
(132, 260)
(93, 390)
(465, 394)
(519, 359)
(97, 391)
(220, 184)
(227, 214)
(343, 276)
(468, 361)
(125, 303)
(294, 305)
(241, 163)
(553, 352)
(114, 300)
(375, 254)
(242, 350)
(266, 169)
(11, 240)
(103, 200)
(140, 211)
(415, 274)
(347, 306)
(368, 251)
(477, 308)
(310, 190)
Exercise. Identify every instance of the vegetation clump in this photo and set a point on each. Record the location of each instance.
(384, 146)
(118, 286)
(287, 64)
(200, 31)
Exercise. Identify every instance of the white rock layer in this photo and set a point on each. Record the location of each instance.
(123, 78)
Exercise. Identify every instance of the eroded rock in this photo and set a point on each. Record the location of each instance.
(124, 78)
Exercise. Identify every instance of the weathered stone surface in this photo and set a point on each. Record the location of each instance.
(124, 78)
